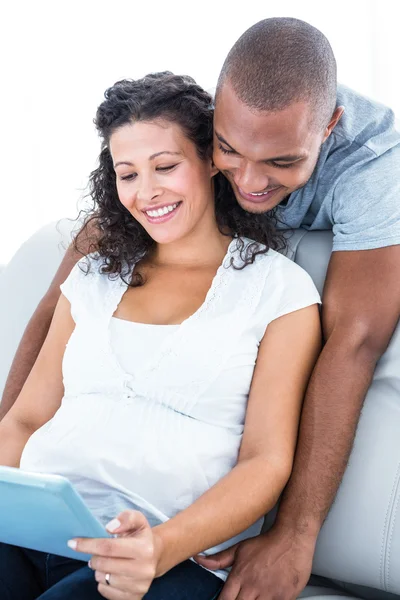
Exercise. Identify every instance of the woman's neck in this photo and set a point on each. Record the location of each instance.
(198, 248)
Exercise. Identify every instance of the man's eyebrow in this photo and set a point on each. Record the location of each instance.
(285, 158)
(223, 140)
(152, 157)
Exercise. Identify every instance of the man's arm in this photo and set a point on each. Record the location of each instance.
(35, 334)
(361, 309)
(42, 392)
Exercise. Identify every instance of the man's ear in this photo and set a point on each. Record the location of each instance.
(337, 115)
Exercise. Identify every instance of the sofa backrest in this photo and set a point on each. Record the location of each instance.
(24, 281)
(360, 541)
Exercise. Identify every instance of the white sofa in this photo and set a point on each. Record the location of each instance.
(360, 541)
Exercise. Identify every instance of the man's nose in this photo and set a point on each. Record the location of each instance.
(250, 179)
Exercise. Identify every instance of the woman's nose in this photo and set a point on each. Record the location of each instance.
(147, 189)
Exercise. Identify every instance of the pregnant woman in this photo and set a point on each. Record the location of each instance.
(169, 387)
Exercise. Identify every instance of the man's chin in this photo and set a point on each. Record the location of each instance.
(258, 208)
(258, 205)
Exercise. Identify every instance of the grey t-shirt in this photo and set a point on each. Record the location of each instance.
(355, 187)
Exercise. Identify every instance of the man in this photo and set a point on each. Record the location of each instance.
(285, 137)
(324, 158)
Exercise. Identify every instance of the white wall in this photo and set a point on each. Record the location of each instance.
(59, 57)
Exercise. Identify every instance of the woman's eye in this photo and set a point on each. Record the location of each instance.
(167, 168)
(225, 150)
(129, 177)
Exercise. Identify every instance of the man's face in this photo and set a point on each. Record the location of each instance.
(265, 155)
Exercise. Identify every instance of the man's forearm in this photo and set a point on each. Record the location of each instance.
(27, 352)
(13, 437)
(329, 421)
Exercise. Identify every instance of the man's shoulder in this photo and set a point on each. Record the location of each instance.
(364, 144)
(365, 124)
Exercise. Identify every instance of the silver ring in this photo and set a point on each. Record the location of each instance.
(108, 578)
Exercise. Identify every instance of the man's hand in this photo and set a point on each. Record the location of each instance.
(272, 566)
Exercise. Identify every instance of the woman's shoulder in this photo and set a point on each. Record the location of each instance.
(263, 257)
(242, 248)
(277, 261)
(285, 283)
(90, 264)
(88, 281)
(92, 268)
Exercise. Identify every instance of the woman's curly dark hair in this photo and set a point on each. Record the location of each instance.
(109, 229)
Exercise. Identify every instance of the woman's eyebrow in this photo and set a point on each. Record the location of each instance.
(165, 152)
(152, 157)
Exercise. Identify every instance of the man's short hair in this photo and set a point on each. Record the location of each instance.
(280, 61)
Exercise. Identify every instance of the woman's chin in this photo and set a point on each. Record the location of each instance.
(165, 237)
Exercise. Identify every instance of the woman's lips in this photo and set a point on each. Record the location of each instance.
(259, 198)
(162, 218)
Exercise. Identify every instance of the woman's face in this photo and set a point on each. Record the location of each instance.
(161, 180)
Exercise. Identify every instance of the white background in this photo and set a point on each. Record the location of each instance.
(57, 58)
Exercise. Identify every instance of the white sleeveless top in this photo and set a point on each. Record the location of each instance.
(152, 423)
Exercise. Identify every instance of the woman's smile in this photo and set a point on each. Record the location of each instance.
(163, 213)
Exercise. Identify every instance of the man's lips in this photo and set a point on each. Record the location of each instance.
(258, 198)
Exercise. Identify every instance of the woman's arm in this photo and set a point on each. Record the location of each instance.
(286, 357)
(42, 392)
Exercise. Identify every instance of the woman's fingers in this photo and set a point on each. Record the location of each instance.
(125, 547)
(112, 593)
(120, 587)
(129, 521)
(123, 567)
(134, 537)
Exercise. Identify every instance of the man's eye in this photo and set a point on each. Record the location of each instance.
(167, 168)
(129, 177)
(282, 166)
(225, 150)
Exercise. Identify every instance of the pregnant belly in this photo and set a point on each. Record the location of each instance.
(145, 452)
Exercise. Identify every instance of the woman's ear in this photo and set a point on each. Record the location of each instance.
(214, 169)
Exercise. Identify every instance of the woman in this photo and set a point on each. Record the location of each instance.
(172, 376)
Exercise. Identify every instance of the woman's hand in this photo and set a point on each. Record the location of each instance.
(127, 562)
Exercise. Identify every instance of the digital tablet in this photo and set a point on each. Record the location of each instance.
(42, 512)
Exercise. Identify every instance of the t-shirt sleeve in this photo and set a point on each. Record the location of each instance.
(298, 290)
(288, 288)
(366, 204)
(76, 288)
(68, 288)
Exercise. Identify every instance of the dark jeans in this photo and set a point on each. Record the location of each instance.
(31, 575)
